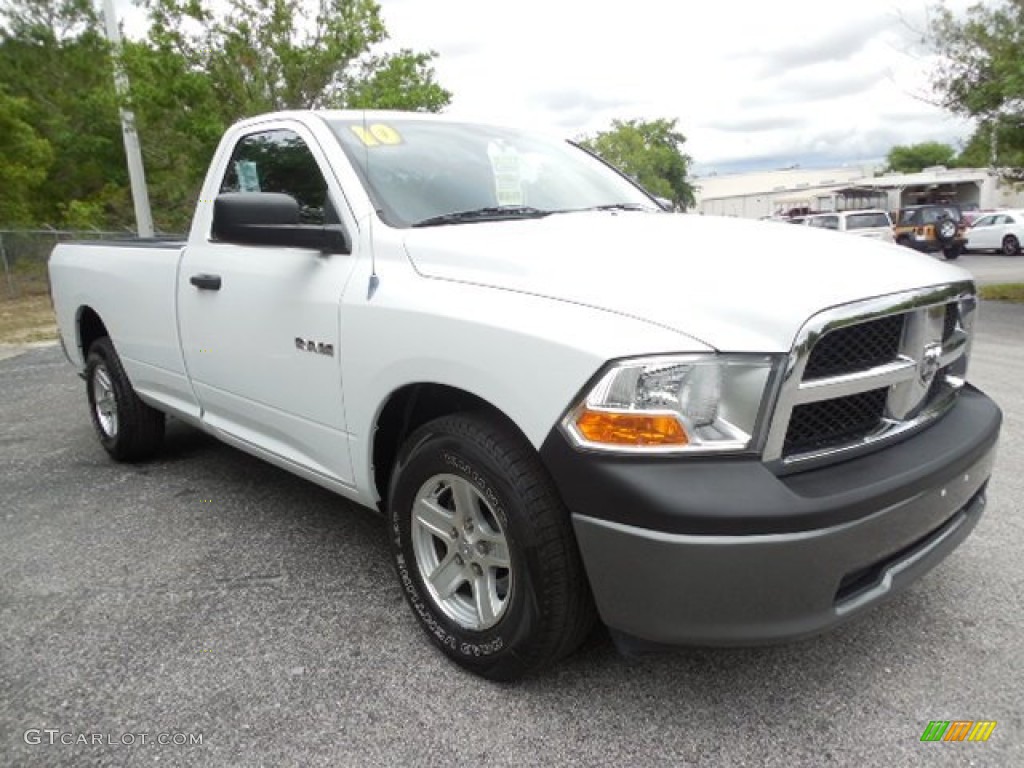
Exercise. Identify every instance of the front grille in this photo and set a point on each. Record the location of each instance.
(938, 385)
(814, 426)
(856, 347)
(865, 373)
(950, 320)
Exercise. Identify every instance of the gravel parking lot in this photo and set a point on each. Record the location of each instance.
(210, 594)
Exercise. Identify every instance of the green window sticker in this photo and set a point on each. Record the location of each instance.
(508, 180)
(248, 176)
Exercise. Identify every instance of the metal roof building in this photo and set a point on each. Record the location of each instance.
(758, 195)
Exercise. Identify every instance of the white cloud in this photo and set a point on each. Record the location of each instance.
(783, 82)
(786, 81)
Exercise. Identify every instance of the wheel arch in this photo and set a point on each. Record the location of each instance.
(408, 408)
(89, 327)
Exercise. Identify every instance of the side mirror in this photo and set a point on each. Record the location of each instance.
(665, 204)
(272, 218)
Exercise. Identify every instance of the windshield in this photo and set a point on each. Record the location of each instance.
(867, 220)
(824, 222)
(933, 215)
(422, 171)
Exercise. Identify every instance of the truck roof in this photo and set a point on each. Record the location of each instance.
(383, 115)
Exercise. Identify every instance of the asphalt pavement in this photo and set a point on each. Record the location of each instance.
(990, 268)
(207, 594)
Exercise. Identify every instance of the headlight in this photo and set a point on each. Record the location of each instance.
(680, 403)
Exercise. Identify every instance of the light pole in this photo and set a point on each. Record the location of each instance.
(132, 151)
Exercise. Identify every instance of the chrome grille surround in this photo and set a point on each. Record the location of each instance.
(922, 380)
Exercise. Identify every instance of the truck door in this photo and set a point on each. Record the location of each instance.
(260, 324)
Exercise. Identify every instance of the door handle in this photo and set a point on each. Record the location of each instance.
(206, 282)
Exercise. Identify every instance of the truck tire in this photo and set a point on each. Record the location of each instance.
(128, 429)
(484, 548)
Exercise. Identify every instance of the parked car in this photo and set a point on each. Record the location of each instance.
(874, 224)
(931, 228)
(1000, 231)
(564, 408)
(969, 213)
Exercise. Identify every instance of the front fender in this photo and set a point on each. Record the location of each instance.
(525, 355)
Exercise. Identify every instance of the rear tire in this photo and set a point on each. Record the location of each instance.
(127, 428)
(484, 548)
(951, 253)
(1011, 246)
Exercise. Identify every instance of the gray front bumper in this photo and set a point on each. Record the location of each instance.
(670, 588)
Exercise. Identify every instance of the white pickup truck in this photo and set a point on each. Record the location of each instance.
(568, 403)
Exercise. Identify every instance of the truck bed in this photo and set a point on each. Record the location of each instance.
(131, 285)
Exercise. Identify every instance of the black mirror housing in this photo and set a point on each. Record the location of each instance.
(272, 218)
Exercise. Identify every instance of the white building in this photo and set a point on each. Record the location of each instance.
(755, 195)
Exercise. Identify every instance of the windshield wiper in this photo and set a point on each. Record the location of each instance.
(492, 213)
(621, 207)
(612, 207)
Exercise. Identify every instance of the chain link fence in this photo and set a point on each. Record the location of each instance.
(24, 254)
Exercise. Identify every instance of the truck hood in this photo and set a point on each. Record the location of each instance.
(733, 284)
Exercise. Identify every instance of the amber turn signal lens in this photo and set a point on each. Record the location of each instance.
(630, 428)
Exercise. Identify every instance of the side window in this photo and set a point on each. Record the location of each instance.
(830, 222)
(279, 161)
(1009, 220)
(984, 221)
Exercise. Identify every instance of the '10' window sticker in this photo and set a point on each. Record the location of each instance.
(377, 135)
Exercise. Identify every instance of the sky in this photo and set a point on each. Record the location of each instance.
(754, 84)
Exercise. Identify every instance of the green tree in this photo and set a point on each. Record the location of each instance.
(25, 158)
(649, 151)
(981, 74)
(265, 55)
(402, 81)
(56, 63)
(1007, 144)
(912, 158)
(180, 123)
(207, 64)
(204, 65)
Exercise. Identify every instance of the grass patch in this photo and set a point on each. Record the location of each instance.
(1003, 292)
(28, 316)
